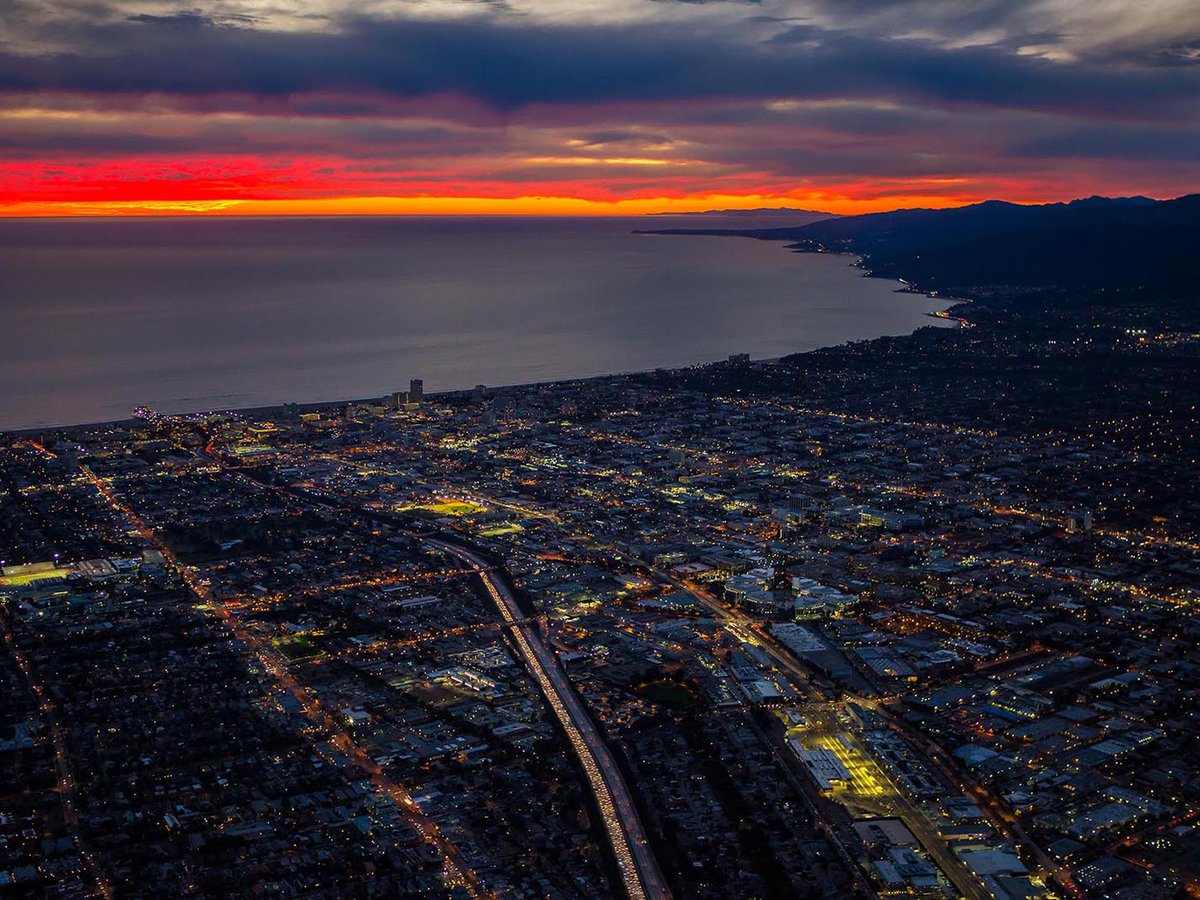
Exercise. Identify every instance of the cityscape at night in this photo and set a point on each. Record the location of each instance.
(828, 525)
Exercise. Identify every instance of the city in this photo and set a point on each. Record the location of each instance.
(637, 450)
(653, 635)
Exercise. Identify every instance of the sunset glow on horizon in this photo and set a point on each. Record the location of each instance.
(472, 206)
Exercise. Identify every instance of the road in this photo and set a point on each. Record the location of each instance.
(747, 626)
(456, 871)
(639, 869)
(66, 789)
(896, 800)
(908, 810)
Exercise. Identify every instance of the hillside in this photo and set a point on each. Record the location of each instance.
(996, 247)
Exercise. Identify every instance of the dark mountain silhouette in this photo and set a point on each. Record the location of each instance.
(1091, 244)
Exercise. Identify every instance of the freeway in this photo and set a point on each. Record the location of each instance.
(639, 869)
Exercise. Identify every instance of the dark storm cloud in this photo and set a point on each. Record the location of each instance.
(1165, 144)
(364, 137)
(510, 67)
(924, 97)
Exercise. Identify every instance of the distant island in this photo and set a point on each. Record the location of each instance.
(760, 217)
(755, 211)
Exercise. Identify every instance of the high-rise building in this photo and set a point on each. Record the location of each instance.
(1079, 521)
(416, 390)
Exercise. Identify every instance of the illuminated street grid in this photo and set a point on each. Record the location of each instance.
(287, 644)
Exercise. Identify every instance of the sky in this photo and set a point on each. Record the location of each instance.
(119, 107)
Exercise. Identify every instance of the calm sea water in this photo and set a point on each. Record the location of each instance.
(194, 314)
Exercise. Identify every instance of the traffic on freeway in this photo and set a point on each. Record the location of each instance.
(639, 869)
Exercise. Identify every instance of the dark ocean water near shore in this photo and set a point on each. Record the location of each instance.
(191, 314)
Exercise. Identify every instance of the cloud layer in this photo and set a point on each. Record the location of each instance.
(853, 104)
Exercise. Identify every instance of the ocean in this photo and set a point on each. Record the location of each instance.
(191, 314)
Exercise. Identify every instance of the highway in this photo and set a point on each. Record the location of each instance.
(639, 869)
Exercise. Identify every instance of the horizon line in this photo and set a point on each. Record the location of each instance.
(570, 208)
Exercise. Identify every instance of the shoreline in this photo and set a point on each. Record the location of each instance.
(942, 315)
(860, 262)
(322, 405)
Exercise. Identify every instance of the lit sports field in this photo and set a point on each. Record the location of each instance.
(443, 507)
(506, 528)
(27, 578)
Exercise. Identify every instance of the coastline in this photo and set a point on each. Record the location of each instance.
(276, 409)
(860, 262)
(326, 405)
(944, 317)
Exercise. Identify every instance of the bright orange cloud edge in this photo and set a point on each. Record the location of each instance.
(512, 206)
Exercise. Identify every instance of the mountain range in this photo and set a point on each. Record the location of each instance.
(1093, 244)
